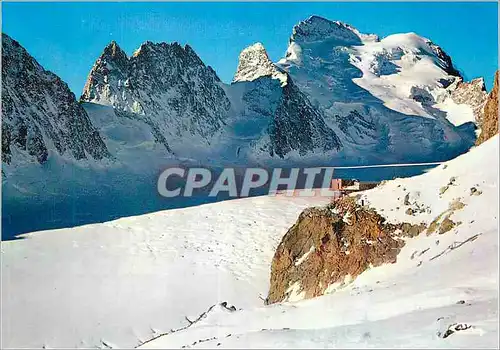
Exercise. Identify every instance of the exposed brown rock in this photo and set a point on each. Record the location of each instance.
(442, 223)
(443, 189)
(489, 124)
(446, 225)
(328, 244)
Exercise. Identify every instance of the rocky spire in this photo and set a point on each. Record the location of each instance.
(110, 69)
(255, 63)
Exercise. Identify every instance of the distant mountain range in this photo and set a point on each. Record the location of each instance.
(337, 97)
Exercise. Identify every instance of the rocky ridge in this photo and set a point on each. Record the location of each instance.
(489, 123)
(167, 86)
(40, 114)
(472, 93)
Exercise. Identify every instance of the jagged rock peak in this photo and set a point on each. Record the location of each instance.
(316, 28)
(114, 50)
(166, 86)
(255, 63)
(114, 64)
(40, 115)
(162, 48)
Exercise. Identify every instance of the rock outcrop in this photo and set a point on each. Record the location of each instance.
(330, 245)
(40, 114)
(316, 28)
(489, 124)
(472, 93)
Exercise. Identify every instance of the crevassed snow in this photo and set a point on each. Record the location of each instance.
(404, 66)
(438, 282)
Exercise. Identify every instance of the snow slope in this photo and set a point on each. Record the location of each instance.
(128, 281)
(396, 64)
(439, 281)
(121, 282)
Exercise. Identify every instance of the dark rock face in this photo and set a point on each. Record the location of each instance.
(298, 126)
(489, 124)
(40, 113)
(445, 58)
(331, 244)
(165, 85)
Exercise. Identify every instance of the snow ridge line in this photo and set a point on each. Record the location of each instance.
(385, 165)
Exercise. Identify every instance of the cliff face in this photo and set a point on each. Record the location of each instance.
(489, 125)
(293, 124)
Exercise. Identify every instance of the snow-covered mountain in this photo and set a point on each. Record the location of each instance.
(283, 121)
(40, 114)
(338, 96)
(126, 282)
(166, 86)
(254, 63)
(376, 93)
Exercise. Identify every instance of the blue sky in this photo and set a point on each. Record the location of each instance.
(66, 38)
